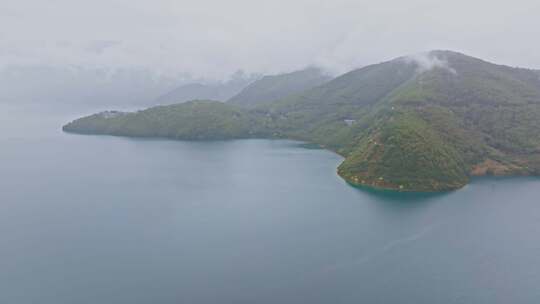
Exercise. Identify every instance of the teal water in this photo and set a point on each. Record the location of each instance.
(98, 219)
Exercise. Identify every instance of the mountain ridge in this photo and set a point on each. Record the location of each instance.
(220, 91)
(274, 87)
(425, 122)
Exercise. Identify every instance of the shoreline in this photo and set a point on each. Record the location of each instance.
(364, 186)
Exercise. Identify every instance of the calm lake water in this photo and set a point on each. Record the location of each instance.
(99, 219)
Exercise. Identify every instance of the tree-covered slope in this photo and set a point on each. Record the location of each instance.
(194, 120)
(476, 118)
(324, 113)
(404, 153)
(418, 123)
(272, 88)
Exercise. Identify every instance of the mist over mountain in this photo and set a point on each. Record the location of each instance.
(79, 85)
(216, 90)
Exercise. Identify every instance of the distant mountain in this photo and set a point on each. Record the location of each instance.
(78, 85)
(272, 88)
(426, 122)
(220, 91)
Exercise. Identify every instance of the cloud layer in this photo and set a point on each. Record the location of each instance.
(215, 38)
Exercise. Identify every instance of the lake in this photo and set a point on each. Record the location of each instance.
(100, 219)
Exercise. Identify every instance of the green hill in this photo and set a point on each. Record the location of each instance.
(418, 123)
(193, 120)
(272, 88)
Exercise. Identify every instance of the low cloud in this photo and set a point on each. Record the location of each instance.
(428, 61)
(213, 39)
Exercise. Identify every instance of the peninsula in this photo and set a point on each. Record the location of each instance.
(423, 123)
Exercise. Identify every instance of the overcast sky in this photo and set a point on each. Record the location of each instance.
(215, 38)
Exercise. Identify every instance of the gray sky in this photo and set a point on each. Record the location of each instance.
(215, 38)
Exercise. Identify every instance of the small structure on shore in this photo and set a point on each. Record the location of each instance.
(349, 122)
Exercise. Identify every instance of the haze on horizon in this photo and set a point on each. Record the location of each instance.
(213, 39)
